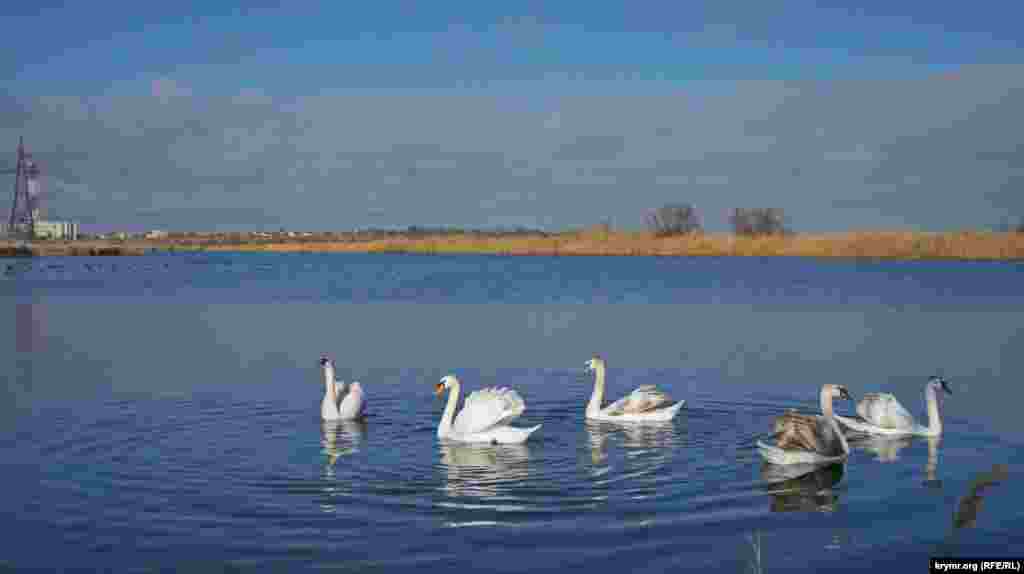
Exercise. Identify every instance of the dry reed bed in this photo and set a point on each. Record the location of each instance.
(881, 244)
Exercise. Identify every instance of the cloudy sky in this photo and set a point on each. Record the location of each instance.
(184, 115)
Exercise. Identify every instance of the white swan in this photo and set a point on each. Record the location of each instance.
(646, 403)
(484, 416)
(342, 402)
(881, 413)
(809, 439)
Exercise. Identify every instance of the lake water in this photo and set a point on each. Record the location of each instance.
(162, 413)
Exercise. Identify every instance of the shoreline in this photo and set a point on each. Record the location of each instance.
(965, 245)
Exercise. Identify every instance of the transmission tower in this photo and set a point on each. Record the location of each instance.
(23, 210)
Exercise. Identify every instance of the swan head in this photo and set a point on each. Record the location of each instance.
(594, 363)
(940, 383)
(325, 361)
(445, 384)
(840, 392)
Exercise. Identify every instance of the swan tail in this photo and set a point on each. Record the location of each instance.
(772, 454)
(526, 432)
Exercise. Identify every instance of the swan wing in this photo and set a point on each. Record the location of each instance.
(488, 408)
(644, 399)
(340, 390)
(353, 405)
(883, 410)
(795, 431)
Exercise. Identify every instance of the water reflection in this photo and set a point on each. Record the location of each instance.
(967, 511)
(29, 339)
(341, 438)
(802, 487)
(597, 439)
(646, 446)
(754, 563)
(483, 470)
(887, 449)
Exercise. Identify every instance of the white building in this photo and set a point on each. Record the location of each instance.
(56, 230)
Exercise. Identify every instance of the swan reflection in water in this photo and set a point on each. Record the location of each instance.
(754, 560)
(482, 470)
(337, 439)
(648, 442)
(887, 449)
(341, 438)
(802, 487)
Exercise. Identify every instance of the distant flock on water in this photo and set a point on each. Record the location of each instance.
(799, 438)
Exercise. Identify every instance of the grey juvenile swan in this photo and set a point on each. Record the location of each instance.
(881, 413)
(809, 439)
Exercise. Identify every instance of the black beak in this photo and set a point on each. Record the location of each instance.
(844, 394)
(945, 387)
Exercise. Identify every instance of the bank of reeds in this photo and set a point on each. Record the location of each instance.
(965, 245)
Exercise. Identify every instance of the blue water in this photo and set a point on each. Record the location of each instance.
(162, 413)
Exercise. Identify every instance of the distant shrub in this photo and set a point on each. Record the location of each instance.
(673, 219)
(758, 221)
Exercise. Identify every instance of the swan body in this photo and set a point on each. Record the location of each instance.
(646, 403)
(484, 417)
(342, 402)
(809, 439)
(882, 414)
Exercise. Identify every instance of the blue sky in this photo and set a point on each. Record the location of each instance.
(336, 115)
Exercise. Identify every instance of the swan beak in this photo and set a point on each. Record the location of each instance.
(439, 389)
(945, 387)
(845, 394)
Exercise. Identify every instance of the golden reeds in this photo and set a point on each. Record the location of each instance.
(867, 244)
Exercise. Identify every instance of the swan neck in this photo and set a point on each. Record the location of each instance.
(329, 382)
(445, 428)
(934, 420)
(825, 398)
(329, 406)
(597, 397)
(933, 457)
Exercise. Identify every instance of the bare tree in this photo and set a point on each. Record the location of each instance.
(758, 221)
(673, 219)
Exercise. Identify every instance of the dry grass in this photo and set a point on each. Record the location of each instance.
(880, 244)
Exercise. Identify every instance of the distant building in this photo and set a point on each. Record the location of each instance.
(56, 230)
(43, 230)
